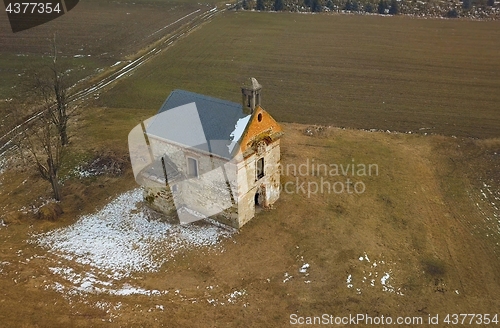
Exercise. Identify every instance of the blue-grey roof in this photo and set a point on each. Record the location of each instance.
(218, 119)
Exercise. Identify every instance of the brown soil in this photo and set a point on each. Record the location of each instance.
(418, 219)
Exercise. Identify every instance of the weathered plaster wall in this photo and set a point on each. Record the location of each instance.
(209, 192)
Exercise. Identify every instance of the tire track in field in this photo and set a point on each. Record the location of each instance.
(197, 18)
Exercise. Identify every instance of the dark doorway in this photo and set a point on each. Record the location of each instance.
(256, 198)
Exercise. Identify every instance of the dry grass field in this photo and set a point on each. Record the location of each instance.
(422, 239)
(415, 225)
(390, 73)
(103, 29)
(91, 37)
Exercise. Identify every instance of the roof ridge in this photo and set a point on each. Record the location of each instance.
(205, 97)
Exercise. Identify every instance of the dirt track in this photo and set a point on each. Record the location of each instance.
(158, 40)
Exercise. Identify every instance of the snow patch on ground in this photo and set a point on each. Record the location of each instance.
(374, 273)
(37, 205)
(121, 239)
(81, 173)
(3, 164)
(3, 264)
(304, 270)
(491, 197)
(87, 282)
(230, 298)
(488, 204)
(348, 281)
(287, 277)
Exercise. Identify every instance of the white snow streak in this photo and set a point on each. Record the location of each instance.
(239, 128)
(121, 238)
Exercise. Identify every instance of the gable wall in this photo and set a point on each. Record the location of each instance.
(256, 129)
(268, 186)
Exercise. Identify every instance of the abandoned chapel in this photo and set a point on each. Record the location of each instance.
(212, 158)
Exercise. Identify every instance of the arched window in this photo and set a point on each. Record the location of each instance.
(260, 168)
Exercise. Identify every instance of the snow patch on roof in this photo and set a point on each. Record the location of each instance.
(239, 128)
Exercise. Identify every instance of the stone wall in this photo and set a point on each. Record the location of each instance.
(160, 199)
(233, 203)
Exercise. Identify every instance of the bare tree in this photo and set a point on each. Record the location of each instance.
(44, 143)
(46, 136)
(49, 87)
(60, 115)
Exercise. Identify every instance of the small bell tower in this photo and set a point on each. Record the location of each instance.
(250, 94)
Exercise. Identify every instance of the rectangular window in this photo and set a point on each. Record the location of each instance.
(260, 168)
(192, 167)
